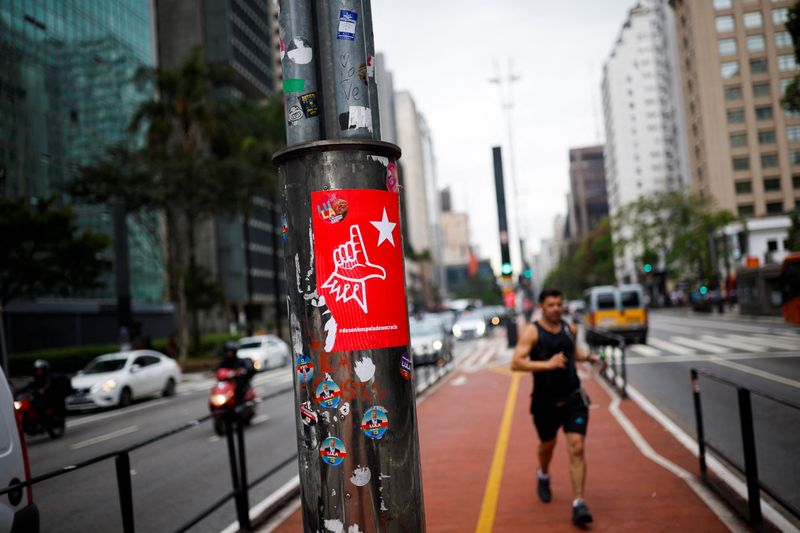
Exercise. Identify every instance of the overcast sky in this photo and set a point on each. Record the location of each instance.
(445, 51)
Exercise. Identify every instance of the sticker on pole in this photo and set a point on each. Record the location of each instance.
(406, 366)
(375, 422)
(359, 267)
(328, 394)
(347, 25)
(307, 414)
(333, 451)
(305, 368)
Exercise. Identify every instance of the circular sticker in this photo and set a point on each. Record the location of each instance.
(307, 414)
(295, 114)
(305, 368)
(392, 181)
(375, 422)
(406, 366)
(333, 210)
(333, 451)
(328, 394)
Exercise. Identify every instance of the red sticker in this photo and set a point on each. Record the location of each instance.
(359, 267)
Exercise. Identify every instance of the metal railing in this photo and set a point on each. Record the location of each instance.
(750, 472)
(611, 349)
(234, 434)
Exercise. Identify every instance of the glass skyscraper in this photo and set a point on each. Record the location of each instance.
(67, 91)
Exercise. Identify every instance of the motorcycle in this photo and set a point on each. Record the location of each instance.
(222, 401)
(50, 420)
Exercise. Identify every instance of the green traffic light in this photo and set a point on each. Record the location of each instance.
(647, 268)
(528, 273)
(506, 269)
(703, 290)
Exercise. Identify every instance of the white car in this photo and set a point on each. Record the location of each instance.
(470, 325)
(266, 351)
(18, 513)
(116, 379)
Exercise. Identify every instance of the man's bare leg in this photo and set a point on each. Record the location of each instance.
(577, 464)
(546, 455)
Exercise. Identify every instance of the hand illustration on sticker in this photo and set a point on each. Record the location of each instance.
(352, 269)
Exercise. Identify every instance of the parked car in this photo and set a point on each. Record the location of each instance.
(18, 513)
(266, 351)
(469, 325)
(430, 342)
(493, 314)
(116, 379)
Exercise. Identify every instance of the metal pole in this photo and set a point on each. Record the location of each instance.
(243, 472)
(624, 391)
(698, 417)
(123, 467)
(121, 264)
(242, 513)
(750, 462)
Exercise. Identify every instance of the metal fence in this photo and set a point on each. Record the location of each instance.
(610, 347)
(234, 435)
(750, 470)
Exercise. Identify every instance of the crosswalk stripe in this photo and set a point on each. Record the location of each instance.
(694, 343)
(644, 350)
(732, 343)
(765, 340)
(792, 340)
(670, 347)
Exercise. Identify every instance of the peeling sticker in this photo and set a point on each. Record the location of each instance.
(375, 422)
(285, 228)
(347, 25)
(300, 51)
(334, 526)
(406, 366)
(354, 529)
(359, 117)
(297, 337)
(333, 492)
(307, 414)
(365, 369)
(380, 159)
(319, 302)
(328, 394)
(327, 416)
(366, 71)
(361, 476)
(333, 451)
(305, 368)
(344, 410)
(392, 180)
(330, 334)
(283, 48)
(297, 271)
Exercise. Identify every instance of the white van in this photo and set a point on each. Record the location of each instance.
(17, 511)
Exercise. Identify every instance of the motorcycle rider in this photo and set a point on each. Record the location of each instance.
(244, 369)
(46, 390)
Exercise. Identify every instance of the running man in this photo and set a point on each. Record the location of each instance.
(548, 349)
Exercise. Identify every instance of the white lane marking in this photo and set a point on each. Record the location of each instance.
(107, 436)
(713, 324)
(669, 347)
(713, 463)
(755, 372)
(259, 419)
(644, 350)
(460, 380)
(694, 343)
(94, 418)
(214, 438)
(700, 358)
(777, 341)
(487, 357)
(732, 343)
(256, 510)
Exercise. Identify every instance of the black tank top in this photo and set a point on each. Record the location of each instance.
(555, 384)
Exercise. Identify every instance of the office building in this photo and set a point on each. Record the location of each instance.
(588, 202)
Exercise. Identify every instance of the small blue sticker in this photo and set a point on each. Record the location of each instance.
(328, 394)
(305, 368)
(347, 25)
(375, 422)
(333, 451)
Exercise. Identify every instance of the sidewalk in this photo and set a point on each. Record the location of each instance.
(478, 449)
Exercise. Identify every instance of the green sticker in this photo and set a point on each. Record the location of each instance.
(294, 85)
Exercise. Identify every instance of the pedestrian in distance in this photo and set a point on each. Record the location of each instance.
(548, 350)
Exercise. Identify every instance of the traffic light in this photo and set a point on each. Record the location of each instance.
(528, 273)
(506, 269)
(703, 290)
(647, 268)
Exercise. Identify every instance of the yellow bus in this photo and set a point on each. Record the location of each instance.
(615, 309)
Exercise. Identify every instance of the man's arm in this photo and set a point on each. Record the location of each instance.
(581, 355)
(521, 362)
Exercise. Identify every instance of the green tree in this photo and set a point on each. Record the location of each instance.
(586, 263)
(791, 98)
(192, 154)
(43, 251)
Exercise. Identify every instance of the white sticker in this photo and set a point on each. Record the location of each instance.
(360, 117)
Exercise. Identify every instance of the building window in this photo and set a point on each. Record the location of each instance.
(761, 89)
(796, 181)
(766, 137)
(786, 62)
(793, 133)
(755, 43)
(794, 157)
(744, 187)
(722, 4)
(772, 245)
(753, 19)
(741, 163)
(746, 210)
(769, 160)
(733, 92)
(772, 184)
(726, 47)
(758, 66)
(785, 83)
(735, 116)
(783, 39)
(775, 208)
(764, 112)
(724, 24)
(780, 15)
(729, 69)
(738, 140)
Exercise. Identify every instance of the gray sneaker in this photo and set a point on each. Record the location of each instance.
(580, 514)
(543, 489)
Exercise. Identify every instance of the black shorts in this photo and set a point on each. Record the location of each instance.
(572, 414)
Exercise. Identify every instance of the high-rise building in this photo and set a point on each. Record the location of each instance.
(645, 142)
(588, 202)
(736, 59)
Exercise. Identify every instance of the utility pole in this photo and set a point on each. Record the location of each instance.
(356, 421)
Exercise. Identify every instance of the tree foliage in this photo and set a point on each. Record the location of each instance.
(791, 98)
(587, 263)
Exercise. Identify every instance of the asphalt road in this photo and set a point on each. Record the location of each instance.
(175, 478)
(759, 355)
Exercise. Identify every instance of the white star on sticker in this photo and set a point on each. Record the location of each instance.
(385, 228)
